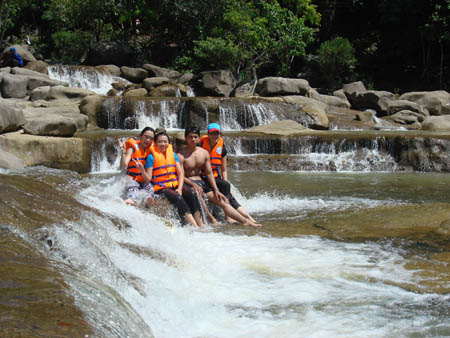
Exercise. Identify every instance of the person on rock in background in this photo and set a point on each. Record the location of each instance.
(134, 155)
(11, 59)
(213, 143)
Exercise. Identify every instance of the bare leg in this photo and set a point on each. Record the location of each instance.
(210, 216)
(198, 218)
(231, 212)
(244, 213)
(129, 201)
(190, 219)
(149, 202)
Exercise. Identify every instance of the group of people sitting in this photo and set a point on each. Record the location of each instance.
(184, 178)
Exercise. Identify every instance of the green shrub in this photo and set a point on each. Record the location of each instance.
(336, 59)
(72, 47)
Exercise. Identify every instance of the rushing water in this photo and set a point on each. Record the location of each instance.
(134, 276)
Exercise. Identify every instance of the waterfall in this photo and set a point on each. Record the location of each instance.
(84, 77)
(244, 116)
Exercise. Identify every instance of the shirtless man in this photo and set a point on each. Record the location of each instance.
(195, 160)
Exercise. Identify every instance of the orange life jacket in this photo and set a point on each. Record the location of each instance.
(138, 155)
(215, 154)
(164, 169)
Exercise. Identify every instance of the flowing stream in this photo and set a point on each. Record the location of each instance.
(340, 254)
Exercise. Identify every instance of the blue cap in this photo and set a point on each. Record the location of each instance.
(12, 49)
(213, 127)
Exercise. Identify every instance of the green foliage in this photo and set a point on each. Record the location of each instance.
(216, 53)
(336, 58)
(72, 47)
(303, 9)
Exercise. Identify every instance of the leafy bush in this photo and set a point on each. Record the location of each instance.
(336, 59)
(72, 47)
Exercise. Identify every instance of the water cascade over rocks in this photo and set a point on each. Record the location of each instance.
(354, 206)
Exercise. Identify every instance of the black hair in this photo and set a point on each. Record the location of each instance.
(147, 129)
(192, 130)
(163, 133)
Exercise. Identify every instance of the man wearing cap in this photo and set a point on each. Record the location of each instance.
(213, 143)
(12, 59)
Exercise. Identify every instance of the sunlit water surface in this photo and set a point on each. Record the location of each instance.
(238, 282)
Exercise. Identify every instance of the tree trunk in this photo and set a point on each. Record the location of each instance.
(441, 66)
(6, 21)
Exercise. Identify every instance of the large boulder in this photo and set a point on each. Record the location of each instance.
(54, 152)
(153, 82)
(111, 69)
(11, 119)
(27, 72)
(166, 91)
(51, 116)
(406, 117)
(215, 83)
(352, 89)
(14, 86)
(135, 75)
(60, 93)
(91, 106)
(437, 123)
(37, 66)
(371, 99)
(333, 101)
(136, 92)
(9, 161)
(279, 86)
(155, 71)
(436, 102)
(281, 128)
(51, 125)
(23, 51)
(315, 109)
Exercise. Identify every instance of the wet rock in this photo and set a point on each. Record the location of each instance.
(315, 109)
(37, 66)
(136, 92)
(91, 106)
(328, 99)
(365, 116)
(9, 161)
(215, 83)
(280, 86)
(111, 69)
(51, 125)
(166, 91)
(154, 82)
(155, 71)
(436, 102)
(53, 152)
(11, 119)
(13, 86)
(406, 117)
(437, 123)
(283, 128)
(444, 228)
(135, 75)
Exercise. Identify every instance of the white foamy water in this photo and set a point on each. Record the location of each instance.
(165, 115)
(187, 283)
(86, 78)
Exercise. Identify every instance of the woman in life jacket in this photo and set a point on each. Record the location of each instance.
(213, 143)
(163, 170)
(134, 155)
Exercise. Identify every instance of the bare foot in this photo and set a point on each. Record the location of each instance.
(230, 220)
(252, 224)
(149, 201)
(129, 201)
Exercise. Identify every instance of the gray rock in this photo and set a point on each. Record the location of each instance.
(436, 102)
(90, 106)
(51, 125)
(315, 109)
(14, 86)
(37, 66)
(371, 99)
(407, 117)
(353, 89)
(153, 82)
(394, 106)
(166, 91)
(111, 69)
(185, 78)
(136, 92)
(155, 71)
(54, 152)
(27, 72)
(437, 123)
(135, 75)
(215, 83)
(11, 119)
(282, 128)
(328, 99)
(279, 86)
(9, 161)
(60, 92)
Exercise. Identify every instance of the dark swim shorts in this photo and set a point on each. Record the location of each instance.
(204, 184)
